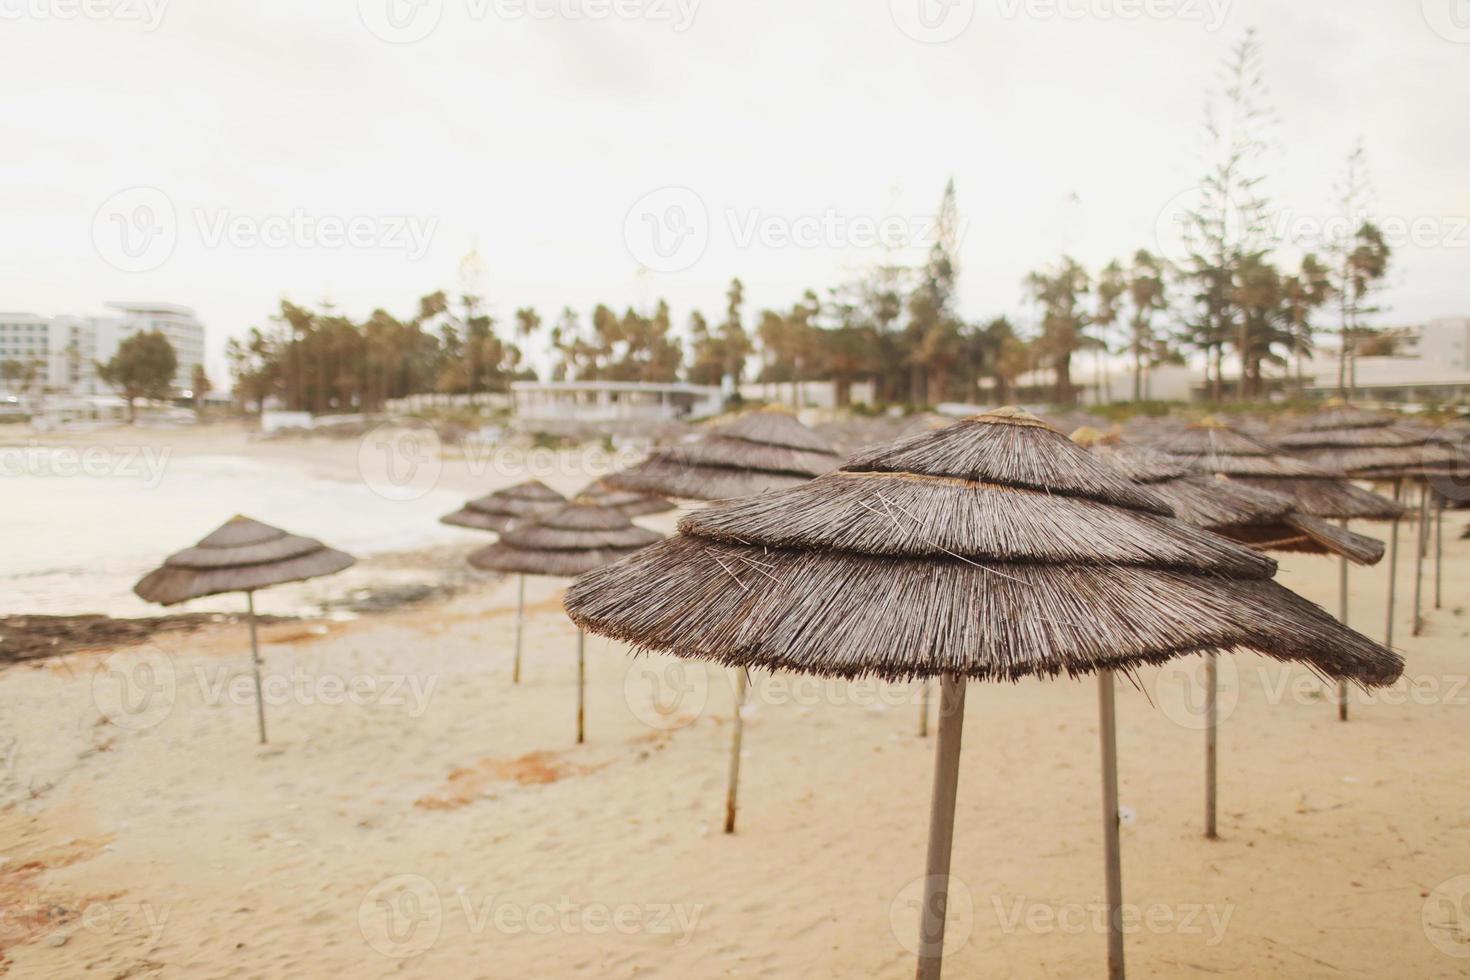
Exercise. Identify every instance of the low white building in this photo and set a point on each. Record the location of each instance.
(1446, 341)
(613, 401)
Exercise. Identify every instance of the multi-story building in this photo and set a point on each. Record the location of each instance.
(63, 351)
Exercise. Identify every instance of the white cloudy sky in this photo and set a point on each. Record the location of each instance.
(531, 138)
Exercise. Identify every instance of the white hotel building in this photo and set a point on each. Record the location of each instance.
(67, 348)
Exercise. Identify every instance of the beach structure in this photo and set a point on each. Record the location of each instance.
(767, 449)
(576, 538)
(1262, 520)
(1371, 446)
(242, 555)
(994, 549)
(1211, 447)
(630, 503)
(762, 450)
(498, 512)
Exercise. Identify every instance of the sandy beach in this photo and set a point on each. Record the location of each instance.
(417, 813)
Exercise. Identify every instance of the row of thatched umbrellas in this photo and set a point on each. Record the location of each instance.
(992, 549)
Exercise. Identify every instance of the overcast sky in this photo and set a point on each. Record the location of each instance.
(225, 155)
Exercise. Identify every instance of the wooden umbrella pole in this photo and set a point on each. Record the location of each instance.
(1393, 568)
(1112, 856)
(924, 689)
(255, 665)
(1438, 549)
(1419, 560)
(1212, 721)
(733, 789)
(941, 826)
(581, 683)
(1342, 617)
(515, 675)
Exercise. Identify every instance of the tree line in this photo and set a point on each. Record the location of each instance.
(1230, 295)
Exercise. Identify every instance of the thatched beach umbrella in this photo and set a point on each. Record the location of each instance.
(577, 538)
(994, 549)
(1370, 446)
(500, 511)
(768, 449)
(1258, 518)
(630, 503)
(243, 555)
(1316, 490)
(759, 451)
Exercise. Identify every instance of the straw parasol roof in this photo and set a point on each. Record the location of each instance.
(241, 556)
(629, 502)
(994, 548)
(499, 510)
(1264, 520)
(1317, 491)
(763, 450)
(1368, 445)
(577, 538)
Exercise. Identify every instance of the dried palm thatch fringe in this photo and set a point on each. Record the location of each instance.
(241, 556)
(1405, 460)
(997, 448)
(759, 451)
(627, 502)
(904, 514)
(1308, 535)
(774, 426)
(1338, 415)
(1265, 521)
(500, 510)
(849, 615)
(740, 454)
(1357, 438)
(1316, 492)
(820, 600)
(1331, 499)
(662, 476)
(577, 538)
